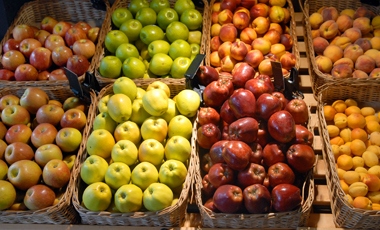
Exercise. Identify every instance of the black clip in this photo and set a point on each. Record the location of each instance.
(99, 5)
(292, 86)
(192, 81)
(199, 3)
(371, 2)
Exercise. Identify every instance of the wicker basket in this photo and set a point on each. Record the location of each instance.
(292, 32)
(32, 13)
(170, 216)
(108, 26)
(63, 212)
(345, 215)
(310, 7)
(291, 219)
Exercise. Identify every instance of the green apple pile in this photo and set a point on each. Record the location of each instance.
(139, 149)
(39, 139)
(152, 40)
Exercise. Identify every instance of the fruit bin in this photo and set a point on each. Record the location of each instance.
(63, 212)
(309, 7)
(108, 26)
(32, 13)
(171, 216)
(345, 215)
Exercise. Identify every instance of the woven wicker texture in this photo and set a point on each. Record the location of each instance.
(32, 13)
(108, 26)
(170, 216)
(63, 212)
(310, 7)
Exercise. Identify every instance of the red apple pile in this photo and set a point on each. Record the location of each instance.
(256, 145)
(40, 54)
(39, 139)
(252, 33)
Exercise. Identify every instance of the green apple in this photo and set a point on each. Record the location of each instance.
(125, 86)
(160, 64)
(145, 54)
(181, 5)
(102, 105)
(3, 170)
(120, 15)
(140, 44)
(151, 33)
(128, 198)
(151, 151)
(125, 51)
(188, 102)
(195, 37)
(195, 49)
(117, 175)
(132, 28)
(8, 194)
(124, 151)
(179, 67)
(93, 169)
(113, 39)
(158, 5)
(155, 101)
(97, 196)
(148, 74)
(104, 121)
(128, 130)
(146, 16)
(159, 85)
(180, 48)
(140, 93)
(146, 63)
(68, 139)
(100, 142)
(119, 107)
(172, 173)
(178, 148)
(154, 128)
(180, 126)
(110, 67)
(171, 112)
(177, 30)
(139, 115)
(166, 16)
(70, 160)
(136, 5)
(157, 197)
(192, 19)
(133, 68)
(144, 174)
(158, 46)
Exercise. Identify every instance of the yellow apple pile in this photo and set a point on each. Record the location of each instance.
(139, 148)
(355, 139)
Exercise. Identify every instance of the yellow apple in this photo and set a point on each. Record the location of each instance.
(171, 112)
(159, 85)
(117, 175)
(140, 93)
(180, 126)
(8, 194)
(69, 160)
(93, 169)
(155, 102)
(188, 102)
(100, 142)
(119, 107)
(104, 121)
(125, 86)
(139, 115)
(125, 151)
(154, 128)
(102, 105)
(128, 198)
(151, 151)
(178, 148)
(128, 130)
(68, 139)
(97, 196)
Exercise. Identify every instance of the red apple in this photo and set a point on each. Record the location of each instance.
(207, 188)
(208, 134)
(226, 113)
(24, 174)
(43, 76)
(244, 129)
(41, 58)
(208, 115)
(56, 173)
(210, 205)
(217, 92)
(21, 32)
(216, 151)
(263, 136)
(84, 47)
(39, 197)
(61, 28)
(274, 153)
(11, 44)
(18, 133)
(78, 64)
(207, 74)
(43, 134)
(74, 34)
(241, 74)
(225, 131)
(258, 87)
(84, 26)
(7, 75)
(53, 41)
(33, 98)
(236, 154)
(228, 198)
(26, 72)
(303, 136)
(257, 199)
(74, 118)
(286, 197)
(298, 109)
(256, 154)
(243, 103)
(41, 36)
(282, 98)
(93, 34)
(220, 174)
(206, 162)
(280, 173)
(301, 157)
(18, 151)
(27, 46)
(253, 174)
(48, 24)
(46, 153)
(61, 54)
(15, 114)
(267, 105)
(282, 127)
(12, 59)
(58, 75)
(248, 3)
(267, 80)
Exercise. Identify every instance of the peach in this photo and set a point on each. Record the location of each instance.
(265, 67)
(261, 44)
(375, 73)
(315, 33)
(363, 24)
(345, 162)
(345, 61)
(216, 7)
(361, 12)
(324, 64)
(214, 17)
(349, 12)
(215, 43)
(333, 52)
(329, 112)
(373, 53)
(288, 61)
(341, 71)
(228, 33)
(224, 49)
(364, 43)
(375, 41)
(329, 29)
(333, 41)
(362, 203)
(368, 36)
(358, 189)
(248, 35)
(215, 30)
(344, 23)
(227, 63)
(353, 33)
(249, 47)
(330, 13)
(365, 63)
(372, 181)
(359, 74)
(241, 20)
(287, 41)
(343, 42)
(320, 9)
(278, 50)
(276, 14)
(356, 120)
(316, 20)
(275, 26)
(271, 56)
(376, 33)
(277, 2)
(225, 17)
(287, 16)
(254, 58)
(260, 25)
(259, 10)
(376, 23)
(353, 52)
(351, 177)
(273, 36)
(215, 59)
(238, 50)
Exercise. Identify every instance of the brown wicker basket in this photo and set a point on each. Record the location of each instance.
(32, 13)
(310, 7)
(107, 27)
(292, 32)
(170, 216)
(291, 219)
(345, 215)
(63, 212)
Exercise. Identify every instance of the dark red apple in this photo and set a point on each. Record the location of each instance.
(207, 74)
(286, 197)
(11, 44)
(206, 162)
(7, 75)
(280, 173)
(253, 174)
(267, 80)
(225, 132)
(263, 136)
(216, 151)
(273, 153)
(228, 198)
(226, 113)
(266, 182)
(208, 115)
(210, 205)
(301, 157)
(74, 34)
(26, 72)
(257, 199)
(78, 64)
(207, 189)
(208, 135)
(258, 87)
(242, 104)
(266, 105)
(217, 92)
(303, 136)
(282, 98)
(244, 129)
(298, 109)
(241, 74)
(256, 154)
(282, 127)
(220, 174)
(237, 154)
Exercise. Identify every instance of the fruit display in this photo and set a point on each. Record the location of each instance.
(139, 151)
(253, 33)
(255, 149)
(354, 134)
(346, 43)
(151, 39)
(40, 134)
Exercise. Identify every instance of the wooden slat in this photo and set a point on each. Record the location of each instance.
(300, 32)
(317, 145)
(322, 196)
(304, 64)
(302, 48)
(305, 82)
(321, 221)
(298, 17)
(319, 171)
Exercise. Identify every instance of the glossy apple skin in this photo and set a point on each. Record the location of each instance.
(18, 151)
(282, 99)
(78, 64)
(26, 72)
(74, 118)
(61, 54)
(301, 157)
(242, 74)
(57, 75)
(207, 74)
(242, 103)
(39, 197)
(207, 189)
(18, 133)
(258, 87)
(244, 129)
(273, 153)
(267, 80)
(208, 115)
(208, 134)
(210, 205)
(11, 44)
(41, 58)
(228, 198)
(226, 113)
(263, 136)
(43, 134)
(225, 132)
(216, 151)
(74, 34)
(303, 136)
(220, 174)
(257, 199)
(253, 174)
(49, 114)
(84, 26)
(266, 105)
(256, 154)
(237, 154)
(7, 75)
(56, 173)
(286, 197)
(298, 109)
(43, 76)
(280, 173)
(282, 127)
(206, 163)
(217, 92)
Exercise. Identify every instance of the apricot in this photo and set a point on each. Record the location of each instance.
(350, 102)
(344, 150)
(361, 175)
(370, 158)
(333, 52)
(366, 111)
(352, 109)
(335, 102)
(316, 20)
(371, 118)
(337, 141)
(372, 126)
(329, 112)
(361, 170)
(362, 203)
(348, 144)
(358, 162)
(358, 147)
(375, 170)
(335, 150)
(360, 134)
(345, 134)
(358, 189)
(375, 206)
(349, 199)
(345, 186)
(378, 116)
(345, 162)
(375, 138)
(341, 172)
(375, 149)
(356, 120)
(374, 196)
(340, 121)
(351, 177)
(333, 131)
(372, 181)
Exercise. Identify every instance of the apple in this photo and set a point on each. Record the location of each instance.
(24, 174)
(56, 173)
(18, 151)
(49, 113)
(68, 139)
(133, 68)
(176, 31)
(242, 73)
(73, 103)
(281, 126)
(179, 48)
(84, 26)
(155, 101)
(165, 17)
(110, 67)
(48, 24)
(74, 118)
(47, 152)
(74, 34)
(226, 113)
(53, 41)
(144, 174)
(12, 59)
(253, 174)
(39, 197)
(273, 153)
(258, 87)
(301, 157)
(57, 75)
(281, 97)
(146, 16)
(117, 175)
(266, 105)
(216, 151)
(104, 121)
(61, 54)
(160, 64)
(8, 195)
(303, 136)
(158, 5)
(192, 18)
(128, 198)
(280, 173)
(228, 198)
(43, 76)
(286, 197)
(21, 32)
(220, 174)
(257, 199)
(139, 115)
(177, 148)
(217, 92)
(7, 75)
(179, 67)
(298, 109)
(43, 134)
(130, 131)
(113, 39)
(172, 173)
(236, 154)
(78, 64)
(33, 98)
(121, 15)
(151, 33)
(125, 86)
(187, 102)
(207, 74)
(125, 51)
(41, 58)
(93, 34)
(8, 100)
(84, 47)
(124, 151)
(11, 44)
(93, 169)
(242, 103)
(158, 46)
(244, 129)
(26, 72)
(18, 133)
(15, 114)
(206, 163)
(256, 154)
(208, 115)
(207, 135)
(100, 142)
(207, 188)
(97, 196)
(151, 151)
(28, 45)
(182, 5)
(41, 36)
(157, 197)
